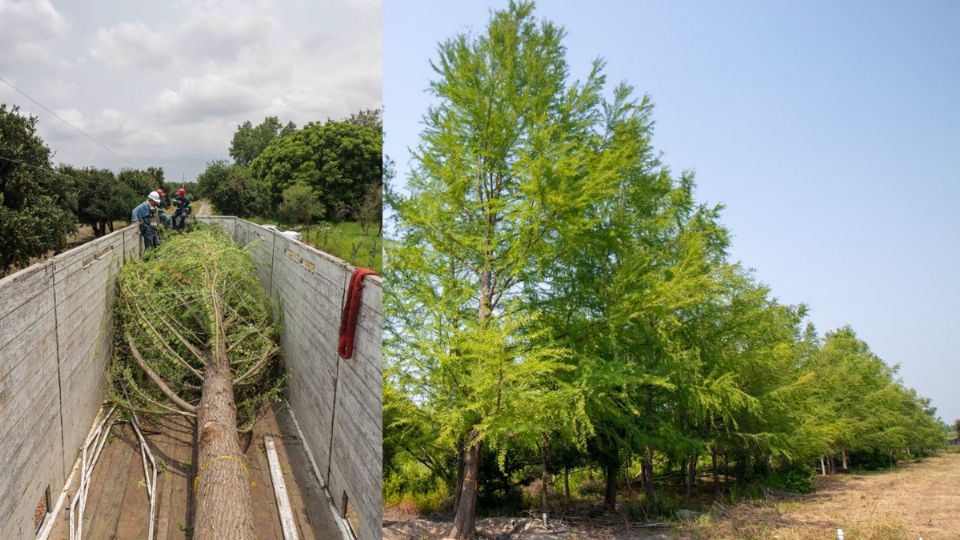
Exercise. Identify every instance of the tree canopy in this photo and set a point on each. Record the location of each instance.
(558, 296)
(35, 206)
(249, 140)
(340, 160)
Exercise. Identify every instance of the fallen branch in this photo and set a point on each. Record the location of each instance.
(156, 379)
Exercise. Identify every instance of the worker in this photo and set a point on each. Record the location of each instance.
(163, 199)
(148, 216)
(182, 205)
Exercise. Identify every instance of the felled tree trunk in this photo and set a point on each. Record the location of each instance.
(210, 324)
(224, 503)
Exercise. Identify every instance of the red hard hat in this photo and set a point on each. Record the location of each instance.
(160, 191)
(181, 191)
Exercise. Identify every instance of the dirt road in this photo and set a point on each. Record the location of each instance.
(915, 500)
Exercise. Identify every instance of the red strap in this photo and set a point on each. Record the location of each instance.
(351, 312)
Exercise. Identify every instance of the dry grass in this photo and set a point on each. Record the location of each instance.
(915, 500)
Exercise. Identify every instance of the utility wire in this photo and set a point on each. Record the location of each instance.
(62, 119)
(51, 170)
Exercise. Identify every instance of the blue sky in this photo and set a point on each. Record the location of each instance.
(830, 132)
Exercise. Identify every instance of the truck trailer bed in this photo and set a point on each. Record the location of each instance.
(117, 503)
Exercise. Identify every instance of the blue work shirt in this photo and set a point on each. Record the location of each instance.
(142, 213)
(182, 203)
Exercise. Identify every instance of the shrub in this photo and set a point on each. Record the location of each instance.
(300, 203)
(796, 477)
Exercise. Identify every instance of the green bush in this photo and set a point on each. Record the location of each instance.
(300, 203)
(796, 477)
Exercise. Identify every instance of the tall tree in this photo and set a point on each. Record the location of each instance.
(339, 160)
(36, 204)
(510, 155)
(249, 140)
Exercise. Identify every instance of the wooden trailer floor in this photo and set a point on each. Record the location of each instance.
(117, 503)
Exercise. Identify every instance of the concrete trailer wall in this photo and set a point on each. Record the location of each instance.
(56, 337)
(338, 403)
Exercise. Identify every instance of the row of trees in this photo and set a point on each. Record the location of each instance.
(557, 298)
(41, 205)
(330, 170)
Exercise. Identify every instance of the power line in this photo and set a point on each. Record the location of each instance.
(50, 170)
(41, 169)
(62, 119)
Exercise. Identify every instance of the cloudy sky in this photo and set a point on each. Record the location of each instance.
(167, 83)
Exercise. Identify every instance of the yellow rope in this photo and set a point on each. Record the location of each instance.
(196, 481)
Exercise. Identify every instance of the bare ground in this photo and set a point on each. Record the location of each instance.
(915, 500)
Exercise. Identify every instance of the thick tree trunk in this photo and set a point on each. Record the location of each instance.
(610, 498)
(823, 465)
(647, 472)
(224, 503)
(843, 455)
(459, 486)
(464, 523)
(691, 475)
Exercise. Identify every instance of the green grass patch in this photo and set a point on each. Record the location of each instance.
(345, 240)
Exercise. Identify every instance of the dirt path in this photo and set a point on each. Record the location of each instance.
(916, 500)
(202, 208)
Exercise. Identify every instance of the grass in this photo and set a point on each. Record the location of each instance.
(345, 240)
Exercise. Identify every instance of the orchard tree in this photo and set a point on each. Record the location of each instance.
(249, 140)
(339, 160)
(233, 190)
(36, 204)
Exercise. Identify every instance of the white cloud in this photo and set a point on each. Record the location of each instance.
(209, 96)
(168, 84)
(30, 30)
(131, 44)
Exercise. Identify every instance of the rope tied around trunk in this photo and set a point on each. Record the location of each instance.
(196, 481)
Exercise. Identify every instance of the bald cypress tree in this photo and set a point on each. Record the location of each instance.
(513, 153)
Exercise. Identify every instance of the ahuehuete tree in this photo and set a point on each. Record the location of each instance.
(512, 153)
(197, 342)
(35, 204)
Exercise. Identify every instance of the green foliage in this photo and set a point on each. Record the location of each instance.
(556, 290)
(233, 190)
(347, 240)
(339, 160)
(300, 203)
(168, 305)
(798, 477)
(35, 203)
(249, 140)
